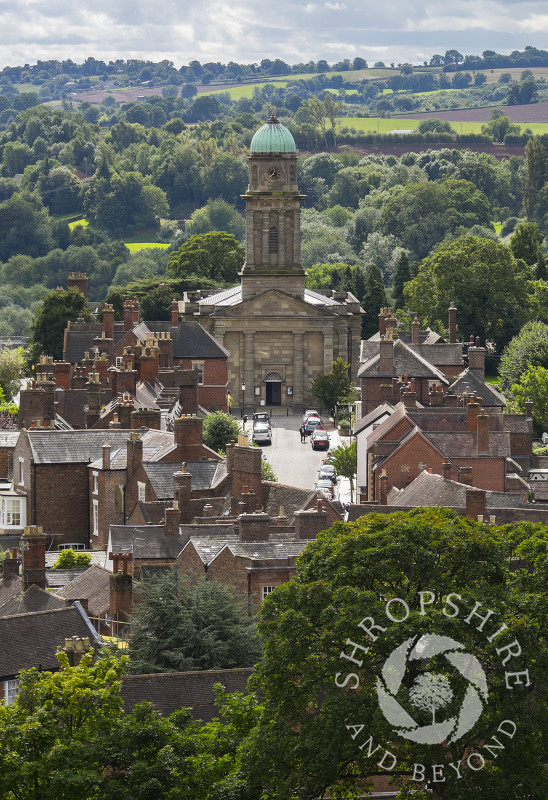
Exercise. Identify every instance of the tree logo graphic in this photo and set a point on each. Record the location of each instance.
(431, 692)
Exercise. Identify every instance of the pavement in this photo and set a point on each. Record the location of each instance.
(297, 464)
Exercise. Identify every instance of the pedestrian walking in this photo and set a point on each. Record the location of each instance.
(303, 433)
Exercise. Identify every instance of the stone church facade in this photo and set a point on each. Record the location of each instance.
(280, 336)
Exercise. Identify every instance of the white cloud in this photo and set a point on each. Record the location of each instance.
(335, 6)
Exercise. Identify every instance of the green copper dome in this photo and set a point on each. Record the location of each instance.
(273, 137)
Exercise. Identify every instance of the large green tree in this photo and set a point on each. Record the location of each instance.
(214, 255)
(338, 644)
(179, 626)
(220, 429)
(487, 284)
(526, 242)
(46, 333)
(529, 348)
(333, 388)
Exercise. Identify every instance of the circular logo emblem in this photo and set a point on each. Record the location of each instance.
(431, 691)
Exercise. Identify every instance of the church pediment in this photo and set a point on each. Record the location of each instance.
(273, 303)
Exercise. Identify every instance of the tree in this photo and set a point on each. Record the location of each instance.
(46, 333)
(529, 348)
(333, 388)
(333, 109)
(430, 692)
(216, 215)
(316, 112)
(69, 559)
(374, 298)
(12, 364)
(433, 124)
(533, 385)
(215, 255)
(25, 227)
(499, 126)
(219, 430)
(344, 459)
(198, 624)
(527, 242)
(310, 742)
(402, 274)
(482, 278)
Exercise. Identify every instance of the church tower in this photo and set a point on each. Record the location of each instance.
(273, 215)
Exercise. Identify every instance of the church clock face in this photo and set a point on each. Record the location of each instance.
(273, 173)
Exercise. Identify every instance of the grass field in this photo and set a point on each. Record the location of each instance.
(378, 125)
(83, 222)
(134, 246)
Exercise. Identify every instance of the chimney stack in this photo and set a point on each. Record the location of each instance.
(33, 561)
(473, 410)
(174, 313)
(134, 453)
(483, 433)
(452, 324)
(475, 503)
(386, 361)
(415, 331)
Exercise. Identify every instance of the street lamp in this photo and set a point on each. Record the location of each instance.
(243, 400)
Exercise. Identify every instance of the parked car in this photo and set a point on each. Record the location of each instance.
(261, 416)
(262, 433)
(311, 412)
(327, 471)
(312, 424)
(319, 439)
(325, 487)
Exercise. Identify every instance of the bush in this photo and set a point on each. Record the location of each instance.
(219, 429)
(69, 559)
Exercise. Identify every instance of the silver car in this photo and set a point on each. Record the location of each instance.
(262, 433)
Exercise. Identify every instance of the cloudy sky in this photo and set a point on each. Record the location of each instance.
(249, 30)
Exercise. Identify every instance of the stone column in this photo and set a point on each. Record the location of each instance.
(282, 259)
(249, 366)
(298, 368)
(328, 351)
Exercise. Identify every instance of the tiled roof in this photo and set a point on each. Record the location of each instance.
(469, 381)
(406, 362)
(92, 585)
(9, 438)
(190, 340)
(173, 690)
(290, 497)
(156, 445)
(31, 640)
(441, 353)
(160, 475)
(81, 336)
(209, 543)
(465, 445)
(145, 541)
(34, 599)
(56, 578)
(373, 416)
(10, 588)
(72, 447)
(270, 550)
(429, 489)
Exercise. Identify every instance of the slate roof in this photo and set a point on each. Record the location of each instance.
(92, 585)
(80, 338)
(160, 475)
(468, 380)
(34, 599)
(429, 489)
(439, 353)
(406, 362)
(156, 445)
(56, 578)
(170, 691)
(465, 445)
(233, 297)
(72, 447)
(290, 497)
(9, 438)
(9, 588)
(373, 416)
(271, 550)
(209, 546)
(31, 640)
(190, 340)
(145, 541)
(399, 413)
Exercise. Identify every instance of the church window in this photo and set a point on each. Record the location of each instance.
(273, 240)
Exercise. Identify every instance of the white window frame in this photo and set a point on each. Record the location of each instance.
(95, 476)
(10, 691)
(95, 517)
(266, 590)
(141, 492)
(9, 511)
(119, 361)
(21, 471)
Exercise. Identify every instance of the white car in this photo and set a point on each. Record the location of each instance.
(311, 412)
(262, 433)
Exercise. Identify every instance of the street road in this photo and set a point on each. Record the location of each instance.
(296, 464)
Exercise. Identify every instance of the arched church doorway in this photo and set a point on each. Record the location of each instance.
(273, 389)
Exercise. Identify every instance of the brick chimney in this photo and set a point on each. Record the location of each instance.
(121, 590)
(253, 527)
(182, 485)
(246, 472)
(528, 409)
(78, 280)
(188, 390)
(472, 422)
(135, 312)
(149, 364)
(106, 455)
(174, 313)
(386, 392)
(386, 361)
(483, 433)
(446, 469)
(108, 321)
(134, 453)
(310, 522)
(466, 476)
(76, 648)
(33, 557)
(476, 358)
(128, 315)
(475, 503)
(452, 311)
(383, 489)
(145, 418)
(172, 520)
(382, 317)
(415, 331)
(11, 565)
(61, 375)
(436, 396)
(187, 431)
